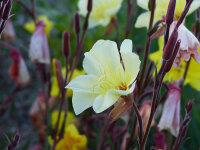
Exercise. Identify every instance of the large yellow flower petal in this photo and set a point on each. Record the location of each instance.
(101, 103)
(131, 61)
(82, 100)
(84, 83)
(143, 20)
(54, 87)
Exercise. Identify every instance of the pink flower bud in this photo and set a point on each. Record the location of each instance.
(37, 112)
(145, 111)
(189, 44)
(170, 118)
(18, 70)
(160, 140)
(9, 32)
(39, 49)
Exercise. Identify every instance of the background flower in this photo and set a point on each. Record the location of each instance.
(102, 11)
(30, 26)
(161, 10)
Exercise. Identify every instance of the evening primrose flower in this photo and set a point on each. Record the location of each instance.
(107, 77)
(102, 11)
(54, 87)
(72, 140)
(30, 26)
(175, 74)
(161, 11)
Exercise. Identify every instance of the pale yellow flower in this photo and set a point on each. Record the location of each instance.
(54, 87)
(102, 11)
(106, 78)
(193, 78)
(161, 10)
(30, 26)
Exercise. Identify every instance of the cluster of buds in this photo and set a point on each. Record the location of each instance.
(184, 125)
(5, 8)
(179, 41)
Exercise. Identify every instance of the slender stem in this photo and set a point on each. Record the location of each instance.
(33, 10)
(130, 4)
(153, 109)
(63, 97)
(133, 130)
(186, 69)
(153, 5)
(58, 120)
(26, 9)
(145, 61)
(103, 132)
(139, 118)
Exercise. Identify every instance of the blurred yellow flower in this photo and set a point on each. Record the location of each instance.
(72, 140)
(107, 78)
(192, 78)
(102, 11)
(30, 26)
(161, 10)
(54, 117)
(54, 87)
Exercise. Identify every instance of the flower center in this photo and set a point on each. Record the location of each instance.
(122, 86)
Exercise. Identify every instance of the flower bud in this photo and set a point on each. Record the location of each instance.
(168, 50)
(9, 32)
(189, 106)
(169, 63)
(145, 111)
(66, 44)
(37, 112)
(58, 71)
(89, 6)
(39, 49)
(170, 12)
(160, 140)
(18, 70)
(77, 23)
(170, 118)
